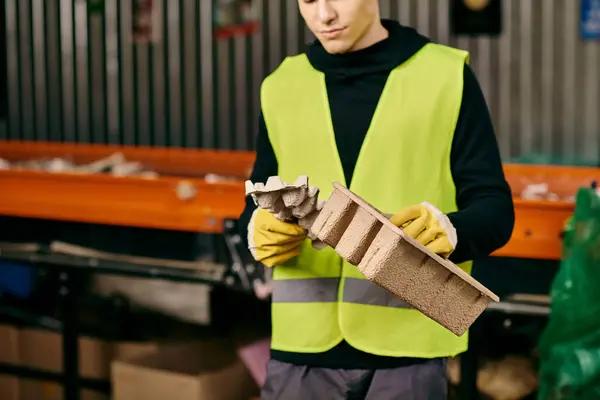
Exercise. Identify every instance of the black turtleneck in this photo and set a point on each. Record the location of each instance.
(355, 81)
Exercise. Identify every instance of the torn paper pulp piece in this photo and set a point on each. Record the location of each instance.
(267, 196)
(389, 258)
(297, 202)
(308, 221)
(275, 184)
(293, 195)
(308, 204)
(282, 198)
(285, 215)
(269, 201)
(103, 164)
(276, 194)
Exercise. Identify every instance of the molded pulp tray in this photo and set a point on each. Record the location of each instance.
(297, 202)
(386, 256)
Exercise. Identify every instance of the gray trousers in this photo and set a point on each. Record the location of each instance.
(424, 381)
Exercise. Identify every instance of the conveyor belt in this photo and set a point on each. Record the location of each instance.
(179, 199)
(539, 223)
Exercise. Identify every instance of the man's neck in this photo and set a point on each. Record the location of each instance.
(376, 33)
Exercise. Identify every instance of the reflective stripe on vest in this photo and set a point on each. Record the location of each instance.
(318, 299)
(325, 290)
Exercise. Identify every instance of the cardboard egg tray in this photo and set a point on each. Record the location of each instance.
(297, 202)
(388, 257)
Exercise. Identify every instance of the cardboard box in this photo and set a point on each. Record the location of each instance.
(43, 350)
(208, 370)
(9, 353)
(205, 370)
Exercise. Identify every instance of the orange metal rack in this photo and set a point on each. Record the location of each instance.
(539, 223)
(127, 201)
(154, 203)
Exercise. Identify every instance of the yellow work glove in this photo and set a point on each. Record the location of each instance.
(271, 241)
(429, 226)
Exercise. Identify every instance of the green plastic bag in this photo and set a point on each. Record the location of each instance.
(570, 344)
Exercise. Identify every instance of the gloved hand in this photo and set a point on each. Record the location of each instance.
(429, 226)
(271, 241)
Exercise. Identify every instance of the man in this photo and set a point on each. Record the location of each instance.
(402, 122)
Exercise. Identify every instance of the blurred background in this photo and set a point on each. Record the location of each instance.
(81, 71)
(148, 272)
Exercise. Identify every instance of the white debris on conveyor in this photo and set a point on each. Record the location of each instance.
(116, 164)
(541, 191)
(4, 164)
(214, 178)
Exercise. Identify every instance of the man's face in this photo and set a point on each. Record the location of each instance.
(339, 24)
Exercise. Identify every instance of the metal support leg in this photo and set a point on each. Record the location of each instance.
(468, 368)
(70, 336)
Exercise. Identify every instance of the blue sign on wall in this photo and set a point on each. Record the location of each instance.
(590, 19)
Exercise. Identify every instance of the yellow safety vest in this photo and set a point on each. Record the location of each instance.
(318, 299)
